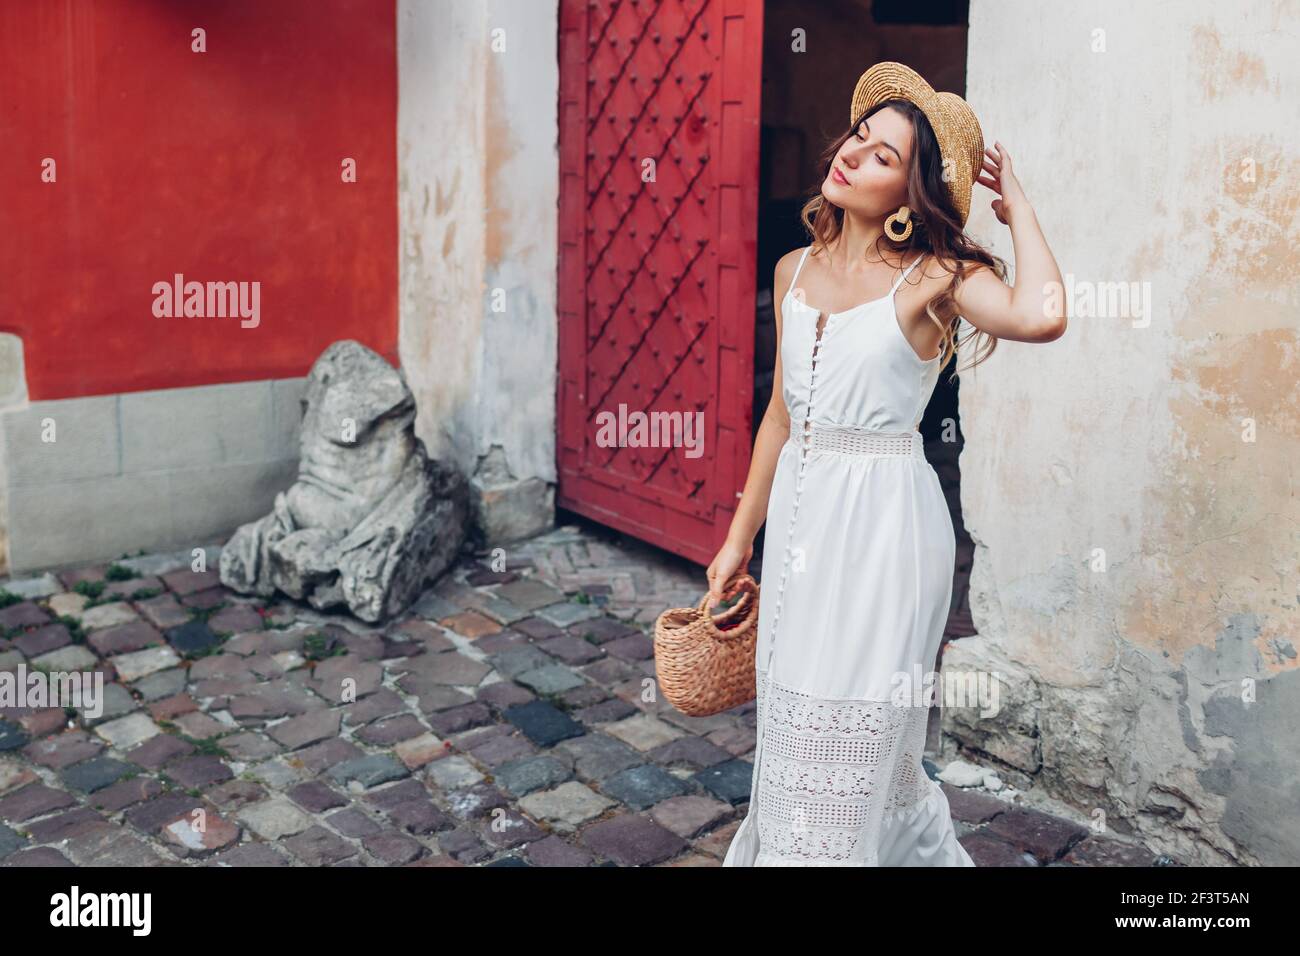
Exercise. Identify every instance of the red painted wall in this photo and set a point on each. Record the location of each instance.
(222, 166)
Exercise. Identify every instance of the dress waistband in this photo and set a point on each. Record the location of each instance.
(851, 440)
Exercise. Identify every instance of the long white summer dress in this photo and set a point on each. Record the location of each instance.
(857, 580)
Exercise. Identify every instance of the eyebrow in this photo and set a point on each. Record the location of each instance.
(883, 143)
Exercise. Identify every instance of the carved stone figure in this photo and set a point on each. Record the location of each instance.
(371, 518)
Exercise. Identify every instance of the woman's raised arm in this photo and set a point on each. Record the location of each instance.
(1033, 309)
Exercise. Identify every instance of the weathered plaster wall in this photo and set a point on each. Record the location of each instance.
(1167, 158)
(477, 191)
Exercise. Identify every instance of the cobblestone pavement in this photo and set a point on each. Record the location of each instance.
(503, 721)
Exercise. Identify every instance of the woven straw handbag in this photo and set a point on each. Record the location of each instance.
(705, 662)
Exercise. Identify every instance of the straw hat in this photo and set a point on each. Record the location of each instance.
(958, 131)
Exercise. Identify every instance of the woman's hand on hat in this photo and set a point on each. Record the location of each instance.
(998, 176)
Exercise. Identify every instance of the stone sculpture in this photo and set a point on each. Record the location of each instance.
(371, 518)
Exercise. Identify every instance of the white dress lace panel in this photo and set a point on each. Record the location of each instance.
(833, 772)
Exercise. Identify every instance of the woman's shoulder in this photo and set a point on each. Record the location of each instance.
(785, 269)
(791, 259)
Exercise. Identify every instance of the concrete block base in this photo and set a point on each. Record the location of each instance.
(91, 479)
(512, 511)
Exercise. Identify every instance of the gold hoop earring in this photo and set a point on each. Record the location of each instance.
(902, 216)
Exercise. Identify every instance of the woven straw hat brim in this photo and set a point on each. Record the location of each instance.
(961, 141)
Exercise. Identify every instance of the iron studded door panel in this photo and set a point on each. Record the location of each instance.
(659, 125)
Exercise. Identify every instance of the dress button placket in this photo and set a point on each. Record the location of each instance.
(804, 445)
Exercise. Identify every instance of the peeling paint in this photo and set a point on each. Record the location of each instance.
(1225, 71)
(500, 147)
(1259, 779)
(479, 213)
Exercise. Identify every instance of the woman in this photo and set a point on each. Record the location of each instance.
(858, 560)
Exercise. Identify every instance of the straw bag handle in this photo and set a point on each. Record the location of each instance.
(746, 606)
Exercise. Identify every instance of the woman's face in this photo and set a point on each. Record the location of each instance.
(873, 163)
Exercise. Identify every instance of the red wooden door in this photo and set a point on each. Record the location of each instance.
(659, 125)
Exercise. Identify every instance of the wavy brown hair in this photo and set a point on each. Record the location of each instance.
(936, 229)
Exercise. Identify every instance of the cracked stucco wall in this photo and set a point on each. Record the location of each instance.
(478, 185)
(1156, 144)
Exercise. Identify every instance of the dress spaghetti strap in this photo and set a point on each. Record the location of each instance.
(899, 280)
(806, 250)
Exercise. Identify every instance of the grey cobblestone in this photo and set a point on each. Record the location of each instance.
(567, 806)
(597, 756)
(112, 614)
(497, 748)
(642, 787)
(33, 800)
(152, 815)
(137, 665)
(160, 685)
(126, 793)
(382, 703)
(249, 746)
(543, 724)
(317, 846)
(511, 829)
(453, 773)
(234, 794)
(36, 856)
(571, 649)
(10, 841)
(352, 822)
(694, 753)
(126, 732)
(457, 719)
(567, 613)
(63, 749)
(690, 816)
(163, 611)
(499, 722)
(134, 635)
(274, 818)
(198, 772)
(21, 615)
(95, 774)
(393, 847)
(41, 640)
(369, 771)
(74, 657)
(250, 854)
(418, 751)
(632, 840)
(156, 751)
(553, 851)
(522, 777)
(550, 679)
(393, 730)
(297, 732)
(315, 797)
(116, 702)
(60, 826)
(419, 816)
(192, 637)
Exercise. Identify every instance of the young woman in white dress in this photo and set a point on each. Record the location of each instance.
(858, 556)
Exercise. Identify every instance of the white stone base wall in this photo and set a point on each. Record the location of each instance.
(158, 470)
